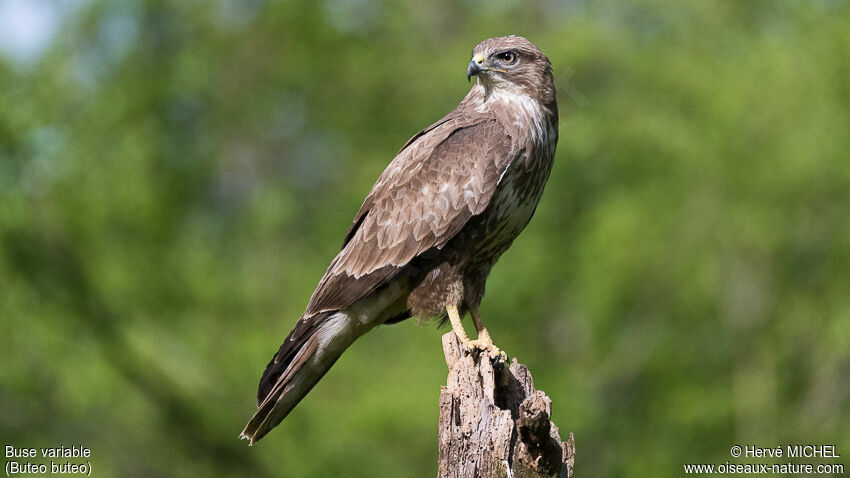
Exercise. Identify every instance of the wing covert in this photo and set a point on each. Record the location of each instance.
(438, 181)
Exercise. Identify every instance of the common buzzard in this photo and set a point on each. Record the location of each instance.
(438, 218)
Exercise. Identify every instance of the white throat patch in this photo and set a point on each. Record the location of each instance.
(526, 111)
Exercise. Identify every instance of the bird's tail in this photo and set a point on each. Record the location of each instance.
(306, 355)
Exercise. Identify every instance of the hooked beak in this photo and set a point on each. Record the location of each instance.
(476, 65)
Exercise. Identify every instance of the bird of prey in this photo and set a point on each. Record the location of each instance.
(434, 224)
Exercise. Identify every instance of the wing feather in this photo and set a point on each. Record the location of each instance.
(440, 179)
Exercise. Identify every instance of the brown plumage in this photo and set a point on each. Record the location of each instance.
(438, 218)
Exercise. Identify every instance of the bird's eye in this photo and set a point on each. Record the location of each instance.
(507, 57)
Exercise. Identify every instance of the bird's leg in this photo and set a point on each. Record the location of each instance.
(484, 342)
(457, 327)
(483, 336)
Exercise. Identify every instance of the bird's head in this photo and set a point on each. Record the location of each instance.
(511, 62)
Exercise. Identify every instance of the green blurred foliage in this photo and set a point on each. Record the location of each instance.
(175, 177)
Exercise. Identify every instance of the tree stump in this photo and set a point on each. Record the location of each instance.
(493, 423)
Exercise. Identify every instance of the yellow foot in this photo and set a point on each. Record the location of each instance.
(485, 344)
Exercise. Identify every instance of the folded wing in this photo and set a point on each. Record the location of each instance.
(441, 178)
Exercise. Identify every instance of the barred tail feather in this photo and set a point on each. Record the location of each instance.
(309, 351)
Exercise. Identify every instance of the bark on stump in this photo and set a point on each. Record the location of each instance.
(493, 423)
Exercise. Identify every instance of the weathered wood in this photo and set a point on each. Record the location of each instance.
(493, 423)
